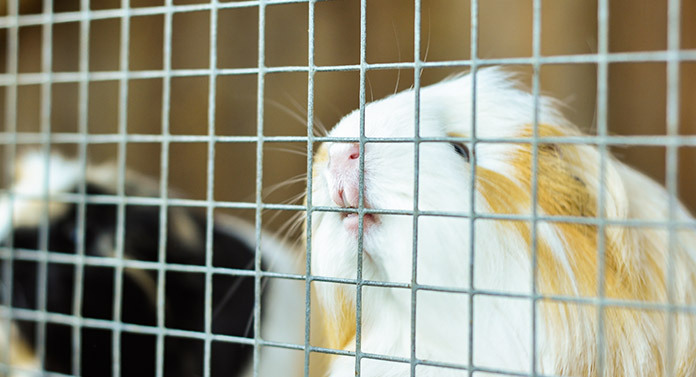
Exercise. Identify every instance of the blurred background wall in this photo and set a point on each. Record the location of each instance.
(637, 101)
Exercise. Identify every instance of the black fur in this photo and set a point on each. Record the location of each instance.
(184, 296)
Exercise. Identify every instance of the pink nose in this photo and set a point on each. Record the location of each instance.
(344, 174)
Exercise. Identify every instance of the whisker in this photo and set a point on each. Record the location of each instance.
(427, 45)
(230, 292)
(398, 51)
(292, 225)
(288, 182)
(294, 218)
(265, 281)
(275, 215)
(320, 129)
(299, 151)
(271, 189)
(288, 111)
(292, 200)
(247, 329)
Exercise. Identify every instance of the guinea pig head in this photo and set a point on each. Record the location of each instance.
(383, 174)
(418, 181)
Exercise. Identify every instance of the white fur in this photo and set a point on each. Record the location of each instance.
(31, 184)
(502, 327)
(283, 309)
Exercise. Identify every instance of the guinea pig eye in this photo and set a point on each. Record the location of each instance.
(461, 150)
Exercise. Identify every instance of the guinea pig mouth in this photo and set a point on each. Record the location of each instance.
(351, 221)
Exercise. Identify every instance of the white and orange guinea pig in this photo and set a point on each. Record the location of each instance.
(635, 336)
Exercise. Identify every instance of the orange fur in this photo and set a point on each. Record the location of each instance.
(320, 156)
(561, 191)
(339, 325)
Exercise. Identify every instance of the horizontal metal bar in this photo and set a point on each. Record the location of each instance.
(72, 198)
(581, 300)
(78, 138)
(72, 320)
(32, 315)
(615, 57)
(67, 77)
(618, 140)
(38, 316)
(65, 319)
(102, 14)
(17, 370)
(514, 217)
(99, 76)
(62, 258)
(404, 360)
(7, 138)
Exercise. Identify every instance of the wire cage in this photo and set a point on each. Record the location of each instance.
(222, 101)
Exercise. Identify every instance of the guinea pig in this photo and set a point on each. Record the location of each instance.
(496, 292)
(232, 296)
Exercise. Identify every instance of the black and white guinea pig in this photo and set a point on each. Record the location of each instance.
(184, 303)
(635, 266)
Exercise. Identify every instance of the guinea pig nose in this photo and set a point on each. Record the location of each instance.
(354, 152)
(343, 173)
(344, 156)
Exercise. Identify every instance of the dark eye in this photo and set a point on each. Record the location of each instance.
(461, 149)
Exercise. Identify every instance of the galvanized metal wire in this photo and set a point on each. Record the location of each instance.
(11, 138)
(164, 190)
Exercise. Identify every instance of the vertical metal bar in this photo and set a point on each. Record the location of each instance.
(672, 169)
(164, 189)
(361, 188)
(472, 182)
(83, 112)
(12, 58)
(261, 79)
(536, 87)
(45, 126)
(210, 190)
(310, 149)
(416, 168)
(602, 132)
(121, 187)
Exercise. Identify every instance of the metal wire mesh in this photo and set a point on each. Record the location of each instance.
(12, 138)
